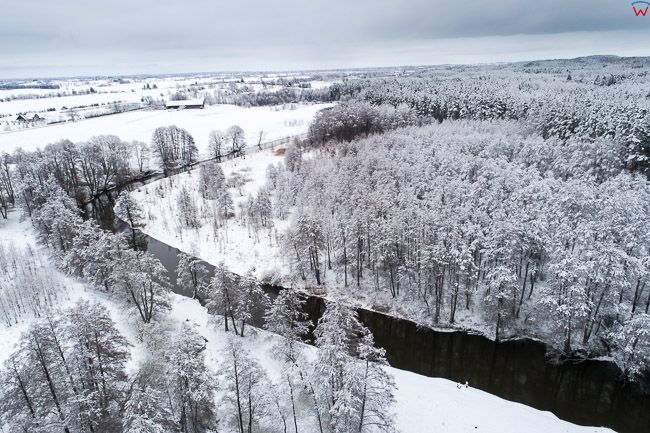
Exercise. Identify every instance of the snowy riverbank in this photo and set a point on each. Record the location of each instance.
(422, 404)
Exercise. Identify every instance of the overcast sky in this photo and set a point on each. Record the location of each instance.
(89, 37)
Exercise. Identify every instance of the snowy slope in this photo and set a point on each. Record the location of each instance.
(423, 405)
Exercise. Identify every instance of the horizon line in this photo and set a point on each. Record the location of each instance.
(333, 69)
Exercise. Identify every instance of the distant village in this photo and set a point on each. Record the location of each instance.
(30, 120)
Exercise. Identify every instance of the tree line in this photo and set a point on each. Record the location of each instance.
(86, 169)
(569, 103)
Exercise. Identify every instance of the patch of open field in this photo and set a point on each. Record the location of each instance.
(274, 122)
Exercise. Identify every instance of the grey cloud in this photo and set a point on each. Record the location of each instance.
(235, 35)
(509, 17)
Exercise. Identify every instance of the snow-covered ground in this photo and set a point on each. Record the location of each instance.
(422, 404)
(273, 121)
(19, 232)
(73, 92)
(40, 104)
(233, 244)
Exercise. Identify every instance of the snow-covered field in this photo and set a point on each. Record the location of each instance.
(423, 404)
(275, 122)
(40, 104)
(73, 92)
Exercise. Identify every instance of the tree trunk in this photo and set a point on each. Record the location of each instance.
(23, 390)
(523, 290)
(567, 341)
(592, 319)
(316, 408)
(637, 294)
(359, 262)
(364, 398)
(345, 262)
(50, 383)
(454, 301)
(496, 338)
(293, 405)
(239, 411)
(329, 253)
(533, 276)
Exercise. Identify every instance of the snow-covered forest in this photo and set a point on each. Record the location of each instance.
(508, 200)
(68, 371)
(88, 362)
(525, 201)
(470, 199)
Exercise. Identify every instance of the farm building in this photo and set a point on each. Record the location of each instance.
(29, 118)
(185, 103)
